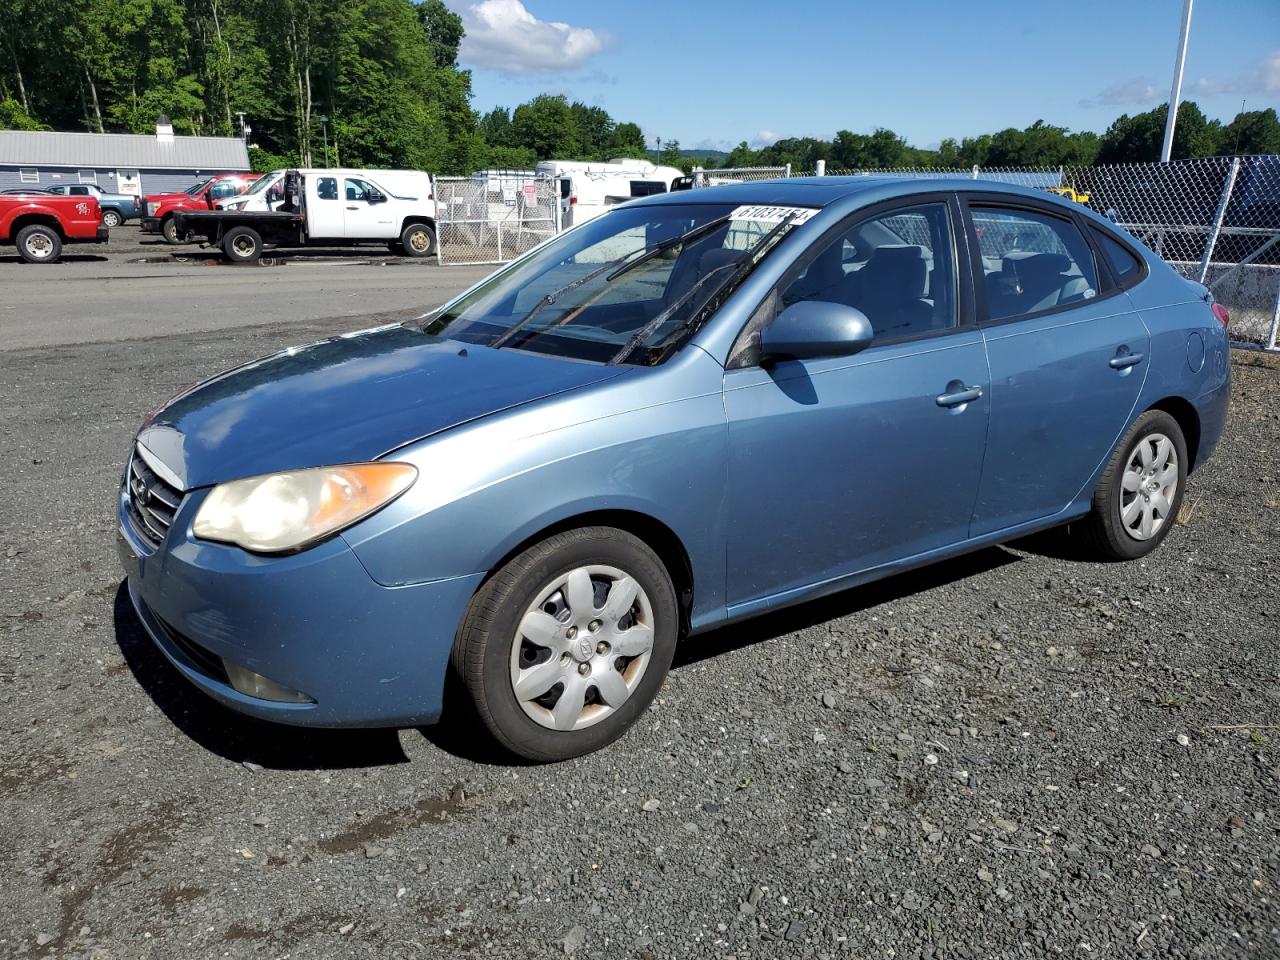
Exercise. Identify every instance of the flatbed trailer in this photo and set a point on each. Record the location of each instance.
(242, 235)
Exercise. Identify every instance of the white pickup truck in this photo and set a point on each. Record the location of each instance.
(322, 207)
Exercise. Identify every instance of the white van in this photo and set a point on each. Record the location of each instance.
(413, 187)
(588, 188)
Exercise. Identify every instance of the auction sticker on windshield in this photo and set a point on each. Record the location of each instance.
(765, 214)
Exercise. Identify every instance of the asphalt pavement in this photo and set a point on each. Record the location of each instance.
(1020, 753)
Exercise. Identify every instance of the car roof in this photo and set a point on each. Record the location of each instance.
(823, 191)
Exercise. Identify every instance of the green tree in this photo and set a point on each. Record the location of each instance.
(1255, 131)
(627, 141)
(546, 126)
(1138, 138)
(13, 117)
(444, 31)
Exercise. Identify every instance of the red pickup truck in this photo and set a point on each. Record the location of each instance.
(38, 224)
(158, 215)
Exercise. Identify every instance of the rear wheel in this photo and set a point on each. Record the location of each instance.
(418, 240)
(1137, 500)
(111, 218)
(242, 244)
(169, 230)
(38, 243)
(566, 646)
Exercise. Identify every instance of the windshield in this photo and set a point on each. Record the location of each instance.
(630, 286)
(265, 181)
(198, 188)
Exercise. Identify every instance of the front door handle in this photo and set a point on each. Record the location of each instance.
(1123, 360)
(958, 395)
(353, 208)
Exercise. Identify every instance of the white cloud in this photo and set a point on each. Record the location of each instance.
(1133, 91)
(764, 138)
(503, 35)
(1263, 78)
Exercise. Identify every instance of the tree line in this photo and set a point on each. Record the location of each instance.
(377, 83)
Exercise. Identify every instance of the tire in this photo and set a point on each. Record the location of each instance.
(111, 218)
(242, 245)
(1138, 498)
(38, 243)
(418, 240)
(493, 650)
(169, 230)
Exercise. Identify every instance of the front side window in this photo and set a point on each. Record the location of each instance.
(357, 190)
(1031, 261)
(897, 268)
(630, 286)
(198, 188)
(225, 188)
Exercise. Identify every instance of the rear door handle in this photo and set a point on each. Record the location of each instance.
(1123, 361)
(959, 397)
(353, 208)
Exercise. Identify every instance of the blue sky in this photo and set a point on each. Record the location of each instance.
(711, 73)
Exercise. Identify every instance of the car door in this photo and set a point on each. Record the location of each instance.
(1067, 353)
(325, 216)
(841, 464)
(364, 215)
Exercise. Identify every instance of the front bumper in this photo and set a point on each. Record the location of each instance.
(150, 224)
(316, 622)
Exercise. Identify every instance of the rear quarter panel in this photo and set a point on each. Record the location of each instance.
(1190, 352)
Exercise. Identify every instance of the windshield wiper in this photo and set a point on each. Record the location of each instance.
(619, 267)
(660, 248)
(739, 266)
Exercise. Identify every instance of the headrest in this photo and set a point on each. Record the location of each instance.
(896, 272)
(1036, 264)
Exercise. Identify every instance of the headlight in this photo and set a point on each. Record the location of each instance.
(152, 208)
(281, 512)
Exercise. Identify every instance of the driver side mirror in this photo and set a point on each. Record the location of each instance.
(377, 196)
(815, 328)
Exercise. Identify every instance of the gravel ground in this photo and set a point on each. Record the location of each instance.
(1015, 754)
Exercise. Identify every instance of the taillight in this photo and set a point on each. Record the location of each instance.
(1221, 312)
(573, 199)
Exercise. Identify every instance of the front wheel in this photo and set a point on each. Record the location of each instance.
(242, 244)
(566, 645)
(1140, 493)
(111, 218)
(169, 230)
(39, 244)
(418, 240)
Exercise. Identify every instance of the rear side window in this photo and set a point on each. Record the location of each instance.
(326, 189)
(1032, 261)
(1123, 263)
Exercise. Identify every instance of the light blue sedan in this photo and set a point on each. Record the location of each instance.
(698, 407)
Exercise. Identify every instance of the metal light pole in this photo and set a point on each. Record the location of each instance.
(324, 129)
(1175, 95)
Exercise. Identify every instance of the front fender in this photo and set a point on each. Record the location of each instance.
(621, 445)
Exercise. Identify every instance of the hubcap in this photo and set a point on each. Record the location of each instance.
(38, 245)
(418, 240)
(1148, 486)
(582, 647)
(243, 245)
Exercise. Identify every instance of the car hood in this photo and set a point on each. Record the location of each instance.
(169, 197)
(349, 398)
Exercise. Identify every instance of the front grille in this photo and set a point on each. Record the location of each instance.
(152, 501)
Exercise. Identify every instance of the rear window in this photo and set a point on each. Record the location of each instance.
(1123, 263)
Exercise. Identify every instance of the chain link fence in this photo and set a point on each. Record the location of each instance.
(1213, 219)
(494, 216)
